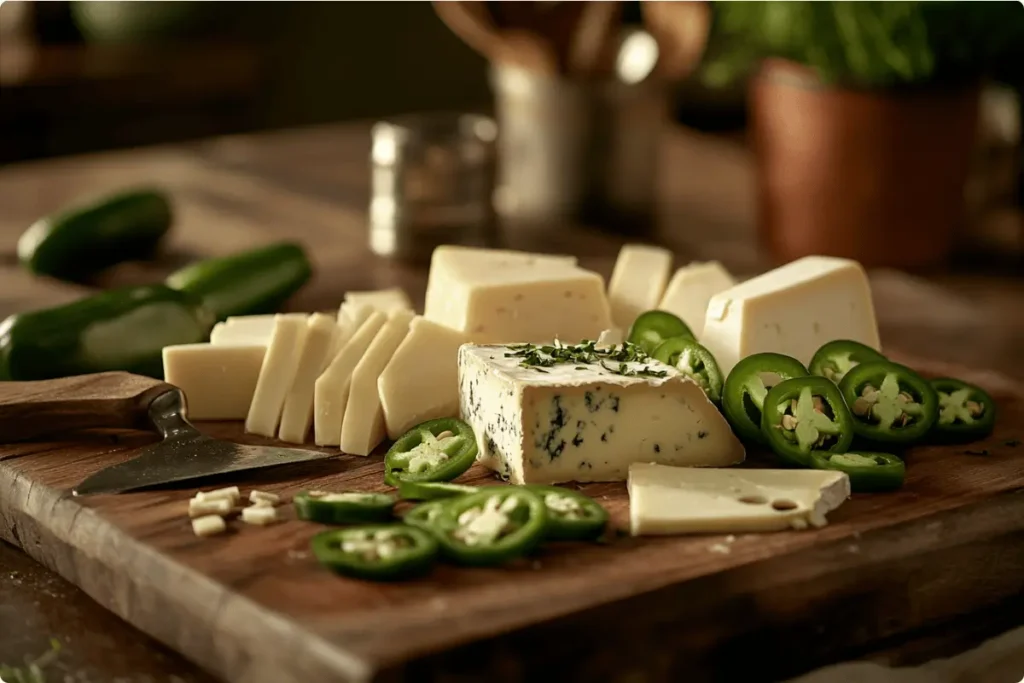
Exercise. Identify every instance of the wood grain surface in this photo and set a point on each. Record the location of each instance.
(254, 606)
(239, 191)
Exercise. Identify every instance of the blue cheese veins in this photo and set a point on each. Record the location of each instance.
(554, 414)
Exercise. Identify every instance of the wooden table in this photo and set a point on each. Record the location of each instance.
(236, 192)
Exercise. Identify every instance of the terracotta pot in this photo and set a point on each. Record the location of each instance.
(869, 175)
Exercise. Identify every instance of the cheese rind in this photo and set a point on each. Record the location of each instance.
(297, 414)
(518, 301)
(362, 427)
(330, 393)
(679, 500)
(421, 381)
(561, 424)
(277, 373)
(792, 310)
(690, 290)
(638, 280)
(218, 381)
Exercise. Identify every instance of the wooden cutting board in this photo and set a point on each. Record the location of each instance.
(254, 606)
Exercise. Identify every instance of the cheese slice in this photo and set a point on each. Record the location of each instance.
(363, 425)
(690, 290)
(218, 381)
(383, 300)
(246, 330)
(559, 423)
(792, 310)
(679, 500)
(330, 393)
(277, 373)
(297, 415)
(518, 301)
(349, 321)
(421, 381)
(638, 281)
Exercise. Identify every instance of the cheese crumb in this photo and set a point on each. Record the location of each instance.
(230, 493)
(720, 548)
(264, 498)
(201, 508)
(260, 515)
(210, 525)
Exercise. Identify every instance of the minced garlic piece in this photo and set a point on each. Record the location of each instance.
(216, 506)
(260, 515)
(264, 498)
(210, 525)
(230, 493)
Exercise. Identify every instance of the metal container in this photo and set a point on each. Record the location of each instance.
(433, 183)
(578, 150)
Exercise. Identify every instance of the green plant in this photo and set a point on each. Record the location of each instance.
(870, 44)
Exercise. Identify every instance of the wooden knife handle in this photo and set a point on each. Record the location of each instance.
(108, 399)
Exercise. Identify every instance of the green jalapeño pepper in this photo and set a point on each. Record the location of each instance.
(492, 525)
(436, 450)
(805, 416)
(890, 403)
(379, 552)
(431, 516)
(868, 472)
(694, 361)
(653, 327)
(432, 490)
(745, 388)
(836, 358)
(571, 515)
(966, 412)
(349, 507)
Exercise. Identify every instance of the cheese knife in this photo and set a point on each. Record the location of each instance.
(30, 410)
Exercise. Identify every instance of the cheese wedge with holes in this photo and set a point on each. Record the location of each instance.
(421, 381)
(362, 428)
(280, 364)
(517, 300)
(218, 381)
(690, 290)
(684, 500)
(556, 423)
(297, 415)
(330, 393)
(792, 310)
(638, 281)
(244, 330)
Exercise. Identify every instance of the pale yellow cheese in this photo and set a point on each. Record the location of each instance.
(297, 415)
(638, 281)
(277, 374)
(383, 300)
(791, 310)
(516, 301)
(690, 290)
(218, 381)
(421, 381)
(681, 500)
(349, 321)
(330, 393)
(363, 425)
(244, 330)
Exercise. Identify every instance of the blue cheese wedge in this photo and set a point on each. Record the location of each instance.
(684, 500)
(588, 419)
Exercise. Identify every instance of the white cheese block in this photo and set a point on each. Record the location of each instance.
(690, 290)
(679, 500)
(297, 415)
(517, 301)
(330, 393)
(560, 423)
(383, 300)
(638, 281)
(277, 374)
(363, 425)
(793, 310)
(244, 330)
(421, 381)
(218, 381)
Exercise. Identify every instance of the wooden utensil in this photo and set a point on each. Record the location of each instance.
(121, 400)
(473, 22)
(681, 28)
